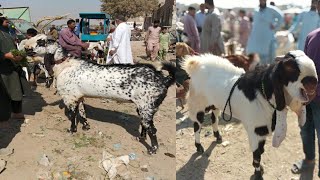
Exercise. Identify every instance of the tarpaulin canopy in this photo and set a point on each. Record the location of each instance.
(17, 12)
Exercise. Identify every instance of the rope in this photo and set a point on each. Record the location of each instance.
(229, 101)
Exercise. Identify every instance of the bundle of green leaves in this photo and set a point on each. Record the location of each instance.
(23, 54)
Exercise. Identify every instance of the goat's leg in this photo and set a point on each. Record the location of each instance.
(152, 132)
(83, 117)
(215, 121)
(258, 172)
(197, 129)
(143, 134)
(72, 113)
(147, 123)
(43, 68)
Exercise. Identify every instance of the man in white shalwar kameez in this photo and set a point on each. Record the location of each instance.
(120, 47)
(266, 20)
(308, 21)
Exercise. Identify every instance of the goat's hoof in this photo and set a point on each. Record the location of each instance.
(258, 174)
(72, 130)
(200, 149)
(153, 150)
(218, 137)
(219, 140)
(86, 127)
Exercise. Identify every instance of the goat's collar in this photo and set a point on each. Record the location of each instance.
(60, 60)
(264, 94)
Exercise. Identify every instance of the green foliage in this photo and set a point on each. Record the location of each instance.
(129, 9)
(23, 54)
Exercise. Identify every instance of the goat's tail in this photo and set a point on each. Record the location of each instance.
(190, 64)
(171, 68)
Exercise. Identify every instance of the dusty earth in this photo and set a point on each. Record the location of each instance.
(233, 162)
(113, 128)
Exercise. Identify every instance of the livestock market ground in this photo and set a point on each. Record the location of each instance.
(234, 161)
(113, 126)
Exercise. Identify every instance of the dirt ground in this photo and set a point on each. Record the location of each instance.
(113, 128)
(233, 162)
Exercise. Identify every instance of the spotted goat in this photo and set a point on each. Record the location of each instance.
(141, 84)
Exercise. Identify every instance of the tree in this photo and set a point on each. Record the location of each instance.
(128, 8)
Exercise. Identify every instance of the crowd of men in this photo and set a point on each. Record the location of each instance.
(204, 28)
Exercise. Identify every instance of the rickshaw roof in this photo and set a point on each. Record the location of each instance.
(95, 15)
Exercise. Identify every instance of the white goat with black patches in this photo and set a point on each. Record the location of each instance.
(260, 98)
(141, 84)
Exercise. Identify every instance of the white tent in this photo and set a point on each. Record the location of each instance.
(292, 11)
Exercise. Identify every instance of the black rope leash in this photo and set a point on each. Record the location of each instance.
(229, 101)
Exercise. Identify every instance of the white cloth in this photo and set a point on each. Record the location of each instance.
(120, 42)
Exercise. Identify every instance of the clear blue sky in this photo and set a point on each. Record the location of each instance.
(41, 8)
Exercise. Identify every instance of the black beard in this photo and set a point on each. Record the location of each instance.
(262, 6)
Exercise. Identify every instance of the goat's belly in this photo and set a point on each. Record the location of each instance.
(104, 91)
(257, 112)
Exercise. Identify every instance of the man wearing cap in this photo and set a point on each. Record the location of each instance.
(120, 47)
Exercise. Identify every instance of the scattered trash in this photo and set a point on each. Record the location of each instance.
(37, 134)
(225, 143)
(144, 168)
(183, 118)
(228, 127)
(6, 151)
(208, 133)
(100, 133)
(132, 156)
(117, 146)
(71, 168)
(115, 166)
(170, 155)
(44, 175)
(180, 132)
(294, 178)
(61, 175)
(44, 160)
(150, 178)
(26, 121)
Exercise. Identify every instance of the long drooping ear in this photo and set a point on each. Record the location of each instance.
(285, 71)
(278, 85)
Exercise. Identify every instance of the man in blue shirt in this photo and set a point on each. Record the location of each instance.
(308, 21)
(266, 20)
(77, 28)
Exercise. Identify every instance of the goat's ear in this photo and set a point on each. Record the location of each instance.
(278, 85)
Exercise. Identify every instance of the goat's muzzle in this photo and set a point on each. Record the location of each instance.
(30, 52)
